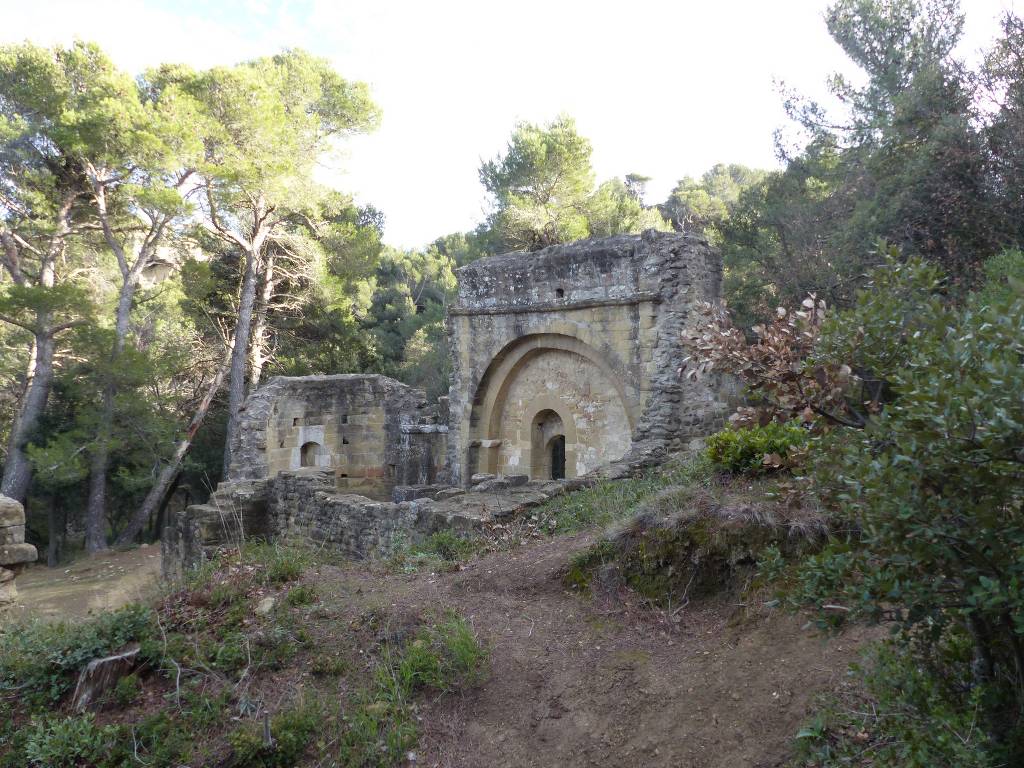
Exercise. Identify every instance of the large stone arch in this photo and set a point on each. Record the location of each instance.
(559, 373)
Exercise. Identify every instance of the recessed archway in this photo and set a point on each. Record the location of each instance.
(310, 454)
(584, 395)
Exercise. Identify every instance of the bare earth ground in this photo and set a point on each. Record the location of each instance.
(89, 585)
(573, 679)
(603, 681)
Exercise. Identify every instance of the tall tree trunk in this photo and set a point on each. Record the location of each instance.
(95, 517)
(167, 475)
(240, 352)
(55, 534)
(95, 520)
(17, 468)
(258, 355)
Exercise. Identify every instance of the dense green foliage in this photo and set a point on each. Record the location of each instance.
(904, 716)
(543, 192)
(913, 397)
(41, 660)
(755, 449)
(934, 485)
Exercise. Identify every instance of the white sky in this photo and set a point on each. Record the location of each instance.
(665, 88)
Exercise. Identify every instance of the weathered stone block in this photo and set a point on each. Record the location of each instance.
(8, 592)
(15, 554)
(12, 534)
(11, 512)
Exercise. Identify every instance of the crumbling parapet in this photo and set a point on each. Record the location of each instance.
(14, 552)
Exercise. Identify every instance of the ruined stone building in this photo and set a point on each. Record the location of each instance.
(566, 359)
(565, 365)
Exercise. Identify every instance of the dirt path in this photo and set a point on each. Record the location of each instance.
(584, 681)
(89, 585)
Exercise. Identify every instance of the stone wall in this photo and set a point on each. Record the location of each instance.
(371, 432)
(303, 506)
(585, 338)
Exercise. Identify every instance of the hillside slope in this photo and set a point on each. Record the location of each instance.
(580, 680)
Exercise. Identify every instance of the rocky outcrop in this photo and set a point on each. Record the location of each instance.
(14, 552)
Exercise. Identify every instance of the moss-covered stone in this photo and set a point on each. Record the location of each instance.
(688, 556)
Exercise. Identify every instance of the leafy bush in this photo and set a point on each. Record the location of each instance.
(301, 595)
(1004, 274)
(441, 658)
(905, 714)
(41, 659)
(754, 450)
(282, 564)
(292, 733)
(932, 491)
(920, 422)
(381, 727)
(68, 742)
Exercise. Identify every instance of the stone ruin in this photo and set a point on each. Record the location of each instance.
(565, 369)
(15, 554)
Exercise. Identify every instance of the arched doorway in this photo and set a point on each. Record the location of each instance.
(309, 454)
(547, 449)
(557, 373)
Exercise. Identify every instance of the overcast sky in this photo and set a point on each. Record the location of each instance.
(665, 88)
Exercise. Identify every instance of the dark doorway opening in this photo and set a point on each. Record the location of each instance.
(557, 457)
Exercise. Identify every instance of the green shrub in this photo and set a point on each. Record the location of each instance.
(232, 653)
(905, 714)
(329, 665)
(282, 564)
(1004, 272)
(41, 659)
(755, 450)
(931, 493)
(441, 658)
(376, 735)
(69, 742)
(292, 732)
(583, 563)
(127, 690)
(380, 727)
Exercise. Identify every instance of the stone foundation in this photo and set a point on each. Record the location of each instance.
(303, 507)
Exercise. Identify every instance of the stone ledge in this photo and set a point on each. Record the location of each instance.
(16, 554)
(559, 306)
